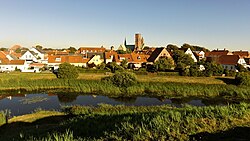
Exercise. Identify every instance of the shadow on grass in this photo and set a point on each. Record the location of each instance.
(235, 134)
(227, 80)
(38, 128)
(83, 126)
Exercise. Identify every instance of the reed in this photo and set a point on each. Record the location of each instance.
(152, 89)
(107, 122)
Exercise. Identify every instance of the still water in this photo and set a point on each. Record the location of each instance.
(20, 104)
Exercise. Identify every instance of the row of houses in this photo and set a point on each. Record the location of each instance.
(33, 59)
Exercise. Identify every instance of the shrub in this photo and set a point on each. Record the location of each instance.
(67, 71)
(242, 78)
(121, 79)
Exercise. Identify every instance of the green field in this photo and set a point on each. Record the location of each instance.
(108, 122)
(149, 85)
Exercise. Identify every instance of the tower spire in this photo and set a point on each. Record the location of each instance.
(125, 41)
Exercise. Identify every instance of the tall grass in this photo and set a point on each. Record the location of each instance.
(107, 122)
(165, 89)
(155, 123)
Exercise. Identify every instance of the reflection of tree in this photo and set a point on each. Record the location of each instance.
(161, 98)
(181, 100)
(67, 98)
(218, 101)
(124, 99)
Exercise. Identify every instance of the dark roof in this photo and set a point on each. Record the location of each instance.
(131, 47)
(91, 54)
(155, 54)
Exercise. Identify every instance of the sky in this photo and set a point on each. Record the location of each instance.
(63, 23)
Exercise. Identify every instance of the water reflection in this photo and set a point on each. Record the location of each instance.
(20, 104)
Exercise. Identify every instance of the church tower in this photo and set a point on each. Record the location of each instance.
(139, 42)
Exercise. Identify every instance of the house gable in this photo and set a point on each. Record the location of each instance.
(158, 53)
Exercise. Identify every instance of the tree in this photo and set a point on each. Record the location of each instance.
(213, 69)
(182, 60)
(19, 50)
(186, 46)
(243, 78)
(122, 79)
(124, 63)
(67, 71)
(164, 64)
(39, 47)
(72, 50)
(101, 66)
(241, 68)
(114, 67)
(172, 48)
(3, 49)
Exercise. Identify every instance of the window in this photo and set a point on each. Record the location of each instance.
(58, 59)
(29, 56)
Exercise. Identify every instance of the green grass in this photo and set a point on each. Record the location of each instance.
(163, 86)
(108, 122)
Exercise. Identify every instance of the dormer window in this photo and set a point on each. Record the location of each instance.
(58, 59)
(139, 57)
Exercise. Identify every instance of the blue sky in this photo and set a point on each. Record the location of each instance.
(63, 23)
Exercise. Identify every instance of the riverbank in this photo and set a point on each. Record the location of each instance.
(167, 87)
(108, 122)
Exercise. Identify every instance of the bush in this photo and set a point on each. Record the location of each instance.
(243, 78)
(67, 71)
(121, 79)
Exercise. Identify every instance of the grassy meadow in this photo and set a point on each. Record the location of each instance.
(107, 122)
(148, 85)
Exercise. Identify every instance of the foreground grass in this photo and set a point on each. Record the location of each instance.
(134, 123)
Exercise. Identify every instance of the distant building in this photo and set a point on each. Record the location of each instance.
(159, 53)
(230, 62)
(55, 60)
(215, 54)
(85, 50)
(139, 43)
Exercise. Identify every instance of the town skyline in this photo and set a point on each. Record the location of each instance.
(60, 24)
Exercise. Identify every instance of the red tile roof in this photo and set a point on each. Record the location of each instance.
(68, 59)
(131, 58)
(109, 54)
(217, 53)
(91, 49)
(229, 59)
(13, 62)
(242, 53)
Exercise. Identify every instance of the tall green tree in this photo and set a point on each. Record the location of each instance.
(172, 48)
(124, 63)
(164, 64)
(182, 60)
(67, 71)
(72, 50)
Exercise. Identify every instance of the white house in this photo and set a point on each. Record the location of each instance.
(12, 65)
(55, 60)
(29, 56)
(96, 59)
(230, 61)
(190, 52)
(40, 55)
(200, 54)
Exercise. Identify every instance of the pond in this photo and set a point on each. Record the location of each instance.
(20, 104)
